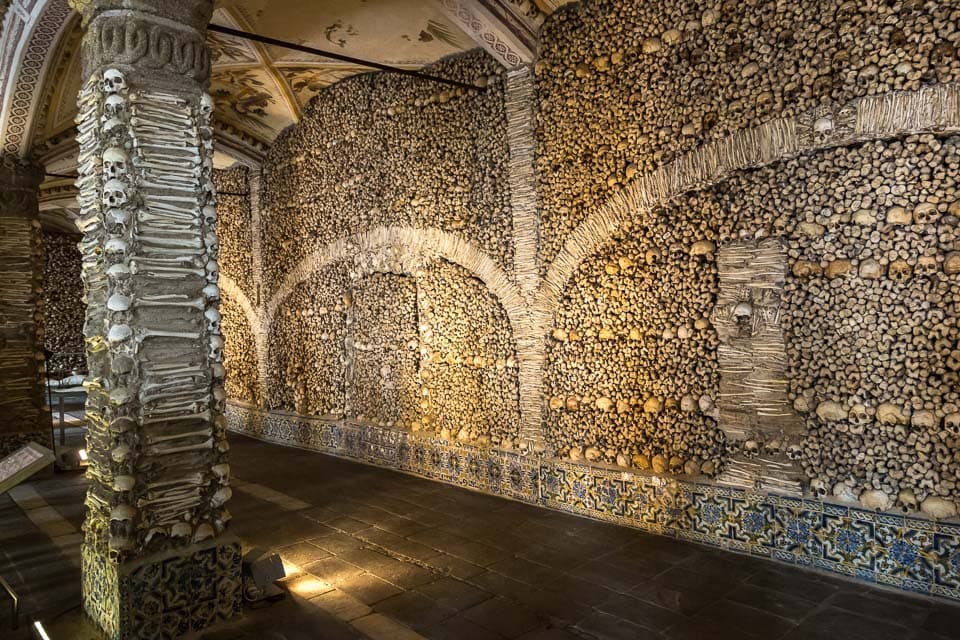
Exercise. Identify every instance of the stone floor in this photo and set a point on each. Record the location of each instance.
(377, 554)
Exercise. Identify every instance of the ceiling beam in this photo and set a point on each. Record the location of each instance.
(506, 29)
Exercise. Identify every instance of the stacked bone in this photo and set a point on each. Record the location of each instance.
(660, 78)
(234, 227)
(631, 361)
(468, 360)
(239, 354)
(383, 381)
(306, 372)
(21, 306)
(63, 305)
(156, 431)
(870, 315)
(384, 150)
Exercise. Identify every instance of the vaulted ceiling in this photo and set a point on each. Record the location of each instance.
(259, 90)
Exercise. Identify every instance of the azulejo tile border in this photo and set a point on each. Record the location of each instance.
(894, 550)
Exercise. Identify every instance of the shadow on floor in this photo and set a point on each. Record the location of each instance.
(378, 554)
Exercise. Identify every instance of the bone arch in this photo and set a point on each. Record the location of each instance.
(423, 242)
(934, 110)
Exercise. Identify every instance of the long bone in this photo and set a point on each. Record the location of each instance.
(170, 241)
(151, 142)
(196, 479)
(181, 126)
(162, 451)
(161, 110)
(161, 198)
(159, 96)
(201, 415)
(160, 211)
(180, 401)
(170, 495)
(177, 174)
(154, 333)
(203, 433)
(170, 273)
(145, 112)
(191, 155)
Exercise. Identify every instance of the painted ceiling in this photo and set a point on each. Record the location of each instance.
(259, 89)
(262, 89)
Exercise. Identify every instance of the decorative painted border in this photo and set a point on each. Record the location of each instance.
(912, 554)
(26, 63)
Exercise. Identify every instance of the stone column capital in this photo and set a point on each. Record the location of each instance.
(190, 13)
(163, 41)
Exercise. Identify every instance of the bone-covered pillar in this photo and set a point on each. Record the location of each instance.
(157, 561)
(22, 415)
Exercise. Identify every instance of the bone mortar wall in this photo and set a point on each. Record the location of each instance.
(234, 227)
(306, 346)
(631, 358)
(869, 317)
(383, 378)
(239, 353)
(63, 304)
(385, 150)
(469, 364)
(624, 87)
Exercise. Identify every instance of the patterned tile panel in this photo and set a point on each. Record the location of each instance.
(913, 554)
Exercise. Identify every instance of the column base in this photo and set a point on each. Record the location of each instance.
(163, 595)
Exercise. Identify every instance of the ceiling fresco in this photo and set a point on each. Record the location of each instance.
(262, 89)
(258, 90)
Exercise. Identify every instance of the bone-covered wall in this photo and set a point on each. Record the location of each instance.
(746, 241)
(367, 317)
(660, 79)
(63, 305)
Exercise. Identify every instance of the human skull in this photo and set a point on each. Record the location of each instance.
(907, 501)
(216, 348)
(211, 292)
(113, 81)
(213, 246)
(774, 447)
(924, 420)
(900, 271)
(742, 310)
(213, 271)
(751, 448)
(951, 424)
(858, 414)
(213, 320)
(209, 215)
(818, 488)
(926, 266)
(115, 106)
(115, 193)
(794, 452)
(951, 263)
(116, 163)
(206, 105)
(218, 371)
(118, 217)
(119, 333)
(219, 398)
(117, 247)
(924, 213)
